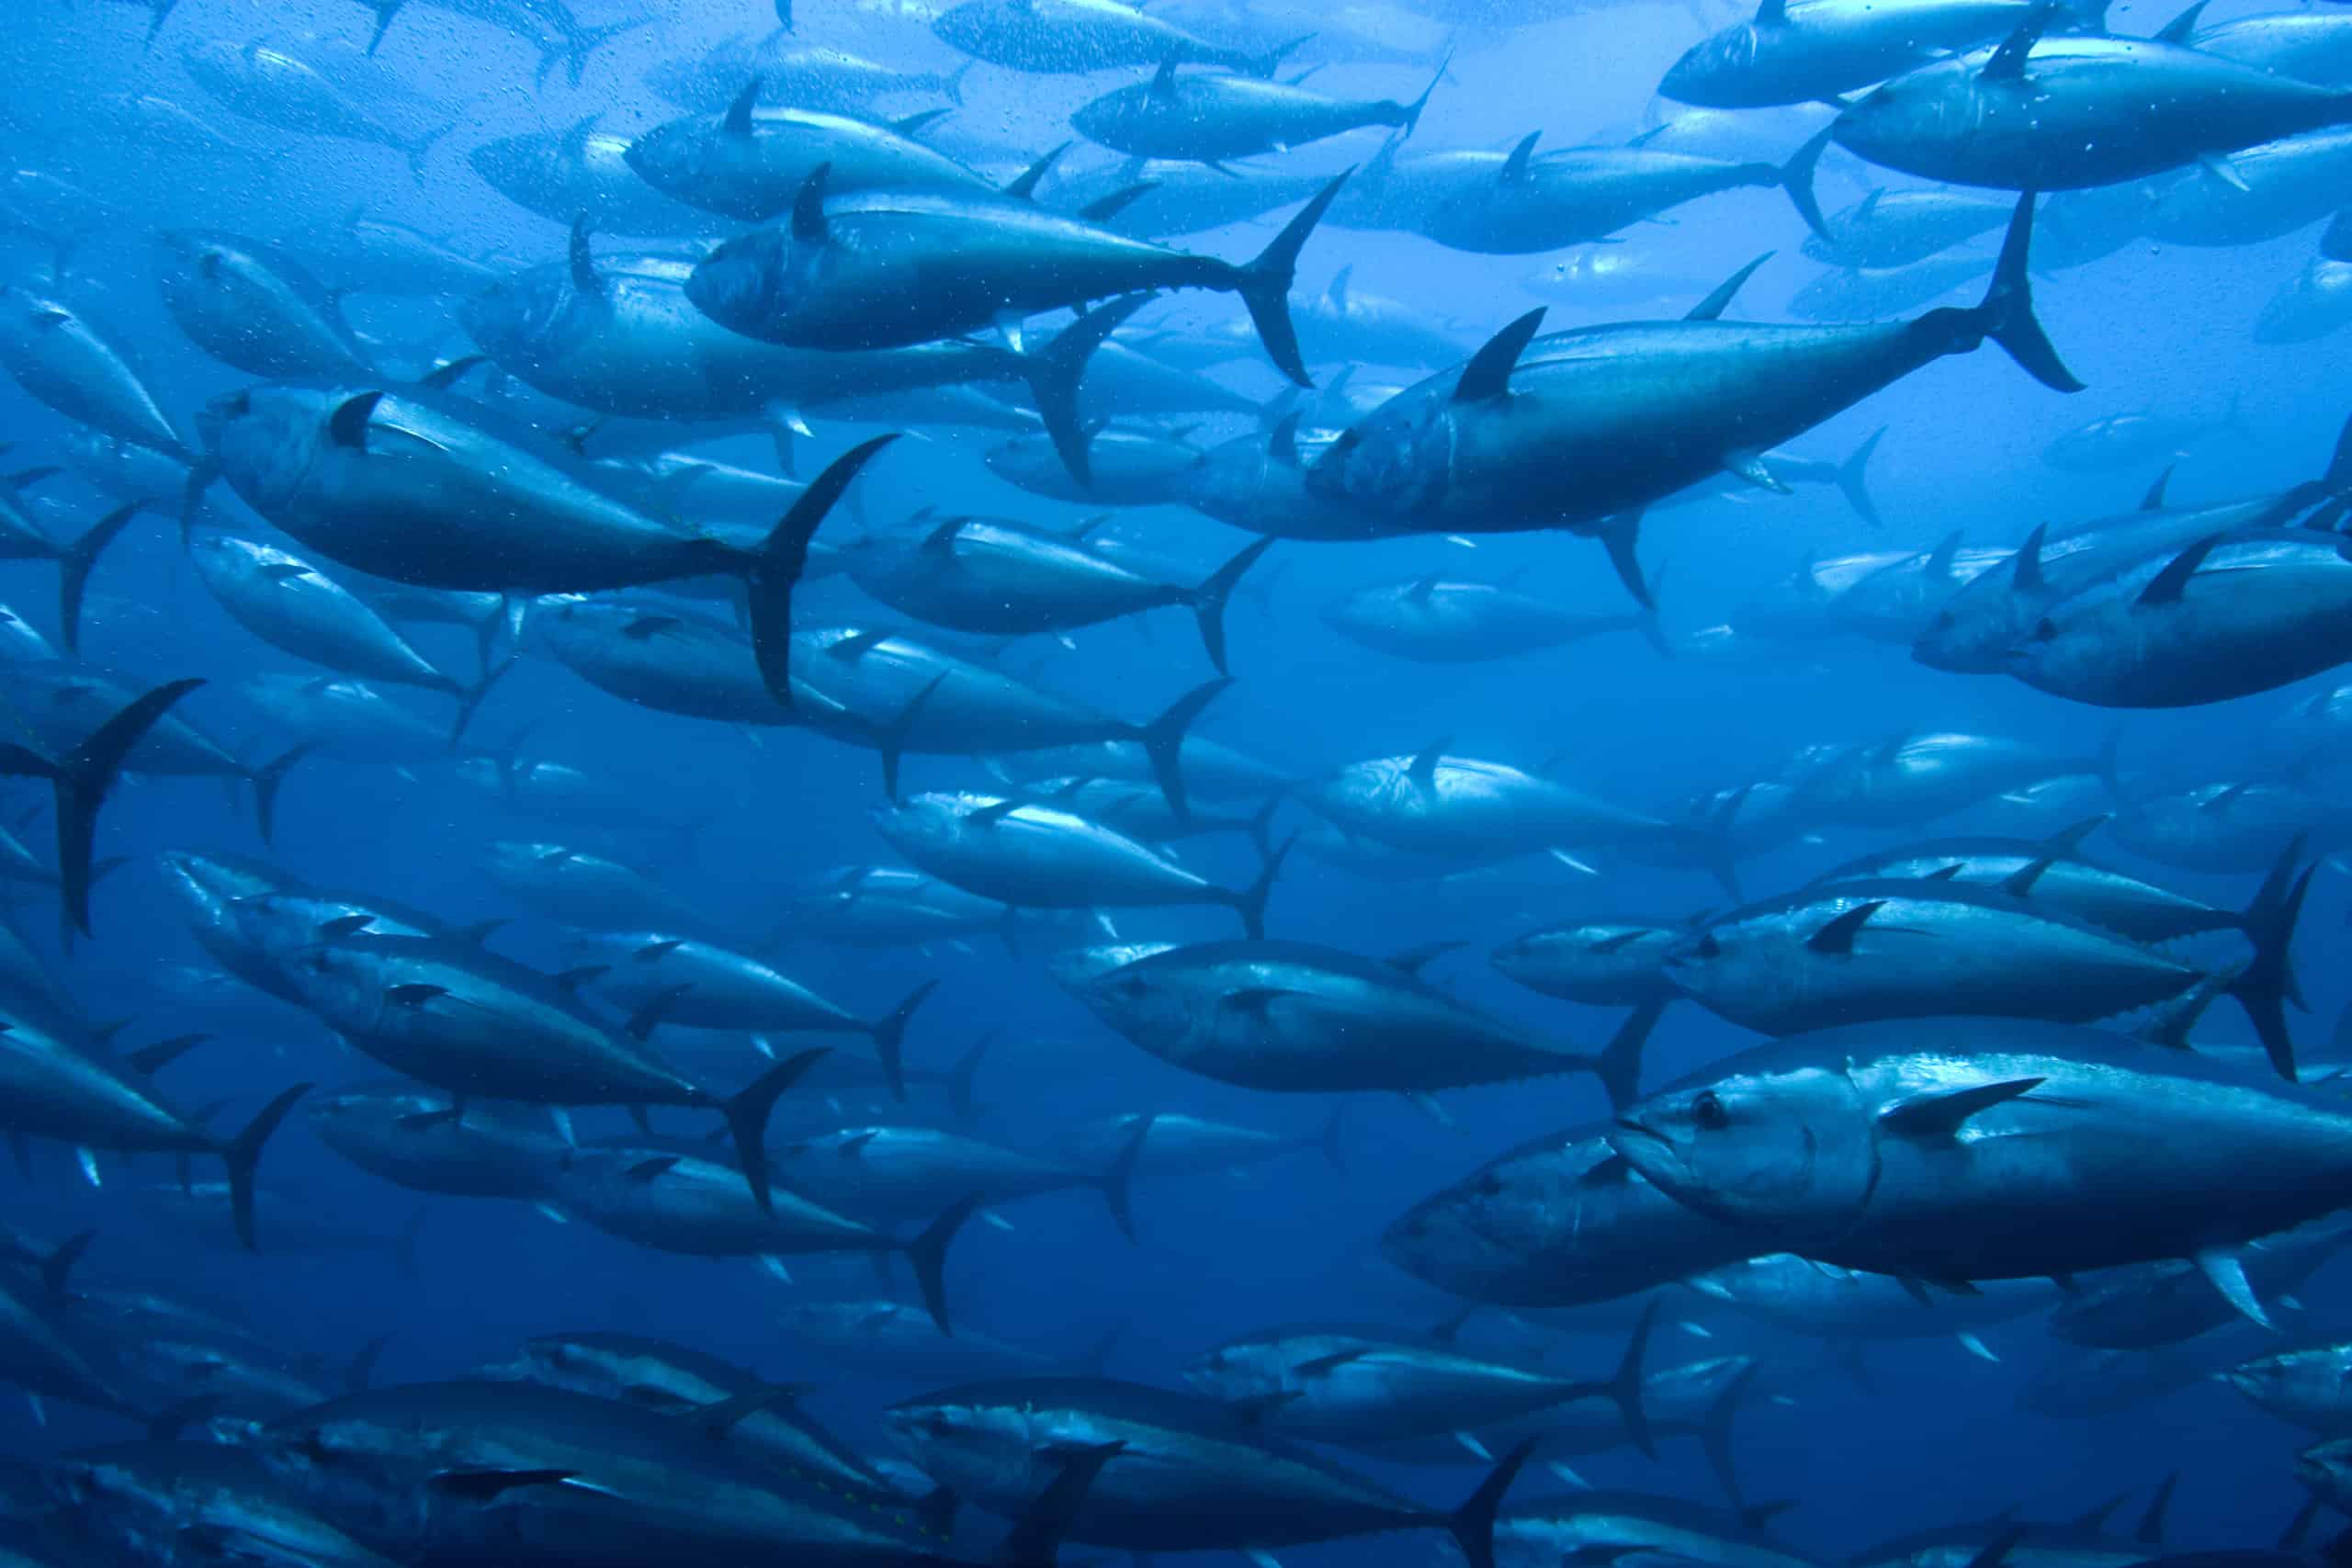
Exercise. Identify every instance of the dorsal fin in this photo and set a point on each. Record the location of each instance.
(1282, 440)
(1024, 183)
(2028, 577)
(1487, 375)
(575, 141)
(1422, 590)
(1772, 14)
(911, 125)
(1337, 294)
(1163, 80)
(1869, 206)
(584, 260)
(1103, 208)
(1712, 307)
(2181, 28)
(2155, 499)
(1837, 936)
(2019, 882)
(1946, 550)
(1515, 166)
(2167, 586)
(739, 113)
(809, 207)
(1423, 770)
(2066, 841)
(347, 427)
(2007, 63)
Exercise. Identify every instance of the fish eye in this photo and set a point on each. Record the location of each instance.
(1708, 946)
(1708, 1111)
(2045, 629)
(239, 405)
(1489, 1185)
(1130, 988)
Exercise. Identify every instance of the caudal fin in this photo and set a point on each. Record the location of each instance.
(2268, 982)
(1714, 1432)
(1853, 483)
(385, 11)
(2005, 314)
(770, 575)
(1627, 1386)
(242, 1153)
(1249, 903)
(1618, 1065)
(890, 1038)
(1473, 1524)
(1163, 741)
(928, 1255)
(73, 570)
(1412, 120)
(1054, 372)
(469, 698)
(422, 148)
(1210, 597)
(80, 781)
(1796, 178)
(587, 41)
(1264, 284)
(268, 779)
(747, 1116)
(1119, 1179)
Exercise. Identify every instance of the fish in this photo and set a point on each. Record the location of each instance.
(1574, 196)
(1231, 1488)
(1795, 52)
(445, 1012)
(995, 576)
(1838, 1144)
(253, 310)
(415, 488)
(583, 171)
(1441, 620)
(546, 26)
(701, 985)
(1075, 37)
(1895, 228)
(1585, 429)
(275, 88)
(1898, 948)
(2046, 114)
(1210, 117)
(678, 1381)
(617, 334)
(75, 364)
(1299, 1018)
(422, 1141)
(748, 167)
(2315, 302)
(1037, 855)
(892, 269)
(697, 1206)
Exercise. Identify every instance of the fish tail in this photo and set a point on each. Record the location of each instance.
(1264, 284)
(771, 573)
(2005, 314)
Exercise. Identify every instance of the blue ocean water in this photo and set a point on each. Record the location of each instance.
(117, 138)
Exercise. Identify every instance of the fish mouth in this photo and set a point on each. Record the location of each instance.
(1627, 1126)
